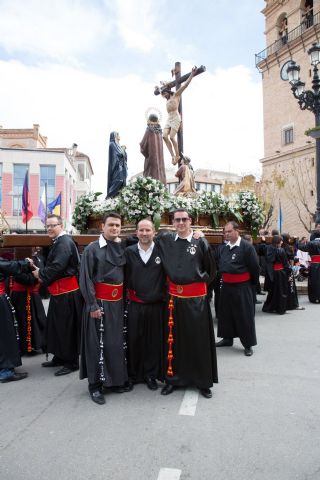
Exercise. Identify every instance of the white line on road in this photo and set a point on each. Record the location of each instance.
(169, 474)
(189, 402)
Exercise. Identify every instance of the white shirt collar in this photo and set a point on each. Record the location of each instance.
(150, 249)
(102, 241)
(237, 244)
(189, 237)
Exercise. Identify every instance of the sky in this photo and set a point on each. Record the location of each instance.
(81, 69)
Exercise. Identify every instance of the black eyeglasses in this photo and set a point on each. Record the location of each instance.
(52, 226)
(181, 219)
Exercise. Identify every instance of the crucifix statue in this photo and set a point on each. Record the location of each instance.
(174, 125)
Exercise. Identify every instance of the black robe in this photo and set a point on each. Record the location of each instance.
(9, 348)
(64, 312)
(38, 316)
(194, 351)
(277, 299)
(237, 303)
(151, 147)
(292, 299)
(145, 320)
(104, 265)
(313, 248)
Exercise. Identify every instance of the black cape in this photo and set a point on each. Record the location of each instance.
(104, 265)
(145, 320)
(195, 361)
(277, 298)
(117, 167)
(64, 312)
(237, 301)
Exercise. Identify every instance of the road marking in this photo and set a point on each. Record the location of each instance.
(189, 402)
(169, 474)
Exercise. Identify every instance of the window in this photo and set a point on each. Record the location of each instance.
(81, 172)
(48, 176)
(0, 184)
(288, 135)
(172, 186)
(19, 173)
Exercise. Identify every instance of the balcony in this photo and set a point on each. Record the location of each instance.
(282, 42)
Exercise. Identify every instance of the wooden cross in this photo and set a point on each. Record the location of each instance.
(179, 80)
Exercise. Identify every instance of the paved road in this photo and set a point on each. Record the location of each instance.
(262, 423)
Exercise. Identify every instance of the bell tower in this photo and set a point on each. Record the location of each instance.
(288, 166)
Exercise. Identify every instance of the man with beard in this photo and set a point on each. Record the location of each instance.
(313, 248)
(145, 280)
(65, 306)
(239, 268)
(103, 359)
(9, 348)
(190, 267)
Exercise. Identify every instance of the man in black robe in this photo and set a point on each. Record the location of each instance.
(239, 268)
(146, 284)
(103, 359)
(278, 269)
(190, 347)
(9, 348)
(30, 313)
(65, 307)
(313, 248)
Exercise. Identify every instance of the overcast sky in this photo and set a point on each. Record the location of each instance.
(82, 69)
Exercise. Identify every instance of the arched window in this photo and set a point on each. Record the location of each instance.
(307, 13)
(282, 25)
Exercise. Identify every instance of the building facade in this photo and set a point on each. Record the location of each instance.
(288, 166)
(61, 170)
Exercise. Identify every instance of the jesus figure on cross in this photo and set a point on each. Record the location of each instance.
(174, 119)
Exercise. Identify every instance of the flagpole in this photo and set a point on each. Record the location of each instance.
(45, 203)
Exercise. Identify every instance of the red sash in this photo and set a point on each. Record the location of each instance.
(315, 258)
(133, 296)
(236, 277)
(2, 288)
(63, 285)
(109, 292)
(190, 290)
(18, 287)
(277, 266)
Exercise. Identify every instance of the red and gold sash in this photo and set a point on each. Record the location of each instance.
(18, 287)
(236, 277)
(278, 266)
(315, 258)
(109, 292)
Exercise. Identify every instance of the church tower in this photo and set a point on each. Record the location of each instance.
(288, 166)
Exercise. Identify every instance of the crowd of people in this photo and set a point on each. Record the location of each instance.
(138, 310)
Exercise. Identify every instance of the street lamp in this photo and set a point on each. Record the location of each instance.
(309, 100)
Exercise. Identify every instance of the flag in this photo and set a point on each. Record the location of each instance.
(27, 213)
(42, 207)
(280, 218)
(55, 206)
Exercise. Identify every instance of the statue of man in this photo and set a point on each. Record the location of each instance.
(151, 147)
(174, 120)
(186, 177)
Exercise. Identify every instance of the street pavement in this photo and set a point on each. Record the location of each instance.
(263, 422)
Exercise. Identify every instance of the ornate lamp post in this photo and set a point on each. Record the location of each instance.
(309, 100)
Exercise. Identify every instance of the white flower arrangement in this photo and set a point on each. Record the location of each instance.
(251, 210)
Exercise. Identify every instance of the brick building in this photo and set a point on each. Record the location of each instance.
(288, 166)
(63, 170)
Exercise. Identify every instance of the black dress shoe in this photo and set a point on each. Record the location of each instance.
(151, 383)
(97, 397)
(51, 363)
(64, 371)
(225, 342)
(167, 389)
(205, 392)
(128, 386)
(248, 351)
(15, 377)
(118, 389)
